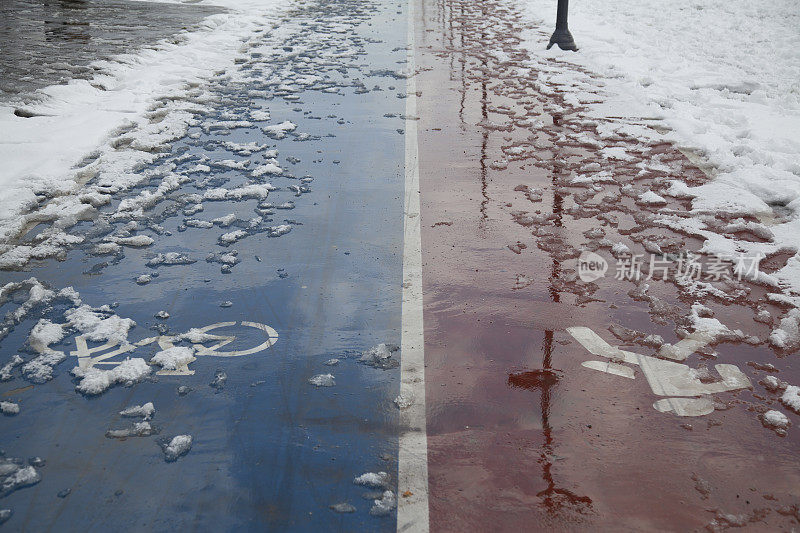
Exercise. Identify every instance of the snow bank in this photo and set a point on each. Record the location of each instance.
(106, 127)
(722, 78)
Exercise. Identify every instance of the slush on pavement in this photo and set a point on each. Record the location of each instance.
(399, 265)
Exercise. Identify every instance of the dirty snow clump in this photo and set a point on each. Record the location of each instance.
(94, 381)
(776, 421)
(323, 380)
(177, 447)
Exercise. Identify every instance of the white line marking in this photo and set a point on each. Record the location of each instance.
(412, 487)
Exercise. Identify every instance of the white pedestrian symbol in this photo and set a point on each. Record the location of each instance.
(688, 396)
(87, 358)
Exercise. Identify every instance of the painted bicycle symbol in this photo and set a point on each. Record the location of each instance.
(91, 357)
(687, 394)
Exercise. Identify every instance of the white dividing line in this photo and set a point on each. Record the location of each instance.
(412, 506)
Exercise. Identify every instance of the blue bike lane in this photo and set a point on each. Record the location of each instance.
(307, 132)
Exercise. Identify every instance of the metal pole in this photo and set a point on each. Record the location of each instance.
(562, 37)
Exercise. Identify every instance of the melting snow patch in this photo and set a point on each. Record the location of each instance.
(269, 168)
(277, 231)
(6, 370)
(173, 358)
(373, 479)
(145, 411)
(170, 258)
(9, 408)
(343, 508)
(403, 402)
(177, 447)
(139, 429)
(14, 476)
(385, 505)
(651, 198)
(232, 237)
(323, 380)
(97, 325)
(787, 335)
(791, 398)
(40, 369)
(279, 131)
(380, 356)
(776, 421)
(94, 381)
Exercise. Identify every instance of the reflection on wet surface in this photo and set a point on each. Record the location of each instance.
(527, 183)
(279, 208)
(45, 42)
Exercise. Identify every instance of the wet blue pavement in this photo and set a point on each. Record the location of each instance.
(270, 450)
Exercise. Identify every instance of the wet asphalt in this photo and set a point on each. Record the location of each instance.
(46, 42)
(270, 450)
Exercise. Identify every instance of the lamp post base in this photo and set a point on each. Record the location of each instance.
(564, 40)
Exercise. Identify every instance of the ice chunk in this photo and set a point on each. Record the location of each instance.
(145, 411)
(13, 476)
(163, 315)
(323, 380)
(177, 447)
(139, 429)
(219, 380)
(380, 356)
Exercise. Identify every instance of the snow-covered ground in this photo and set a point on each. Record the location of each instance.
(721, 79)
(48, 157)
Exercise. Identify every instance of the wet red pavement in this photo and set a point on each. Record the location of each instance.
(520, 435)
